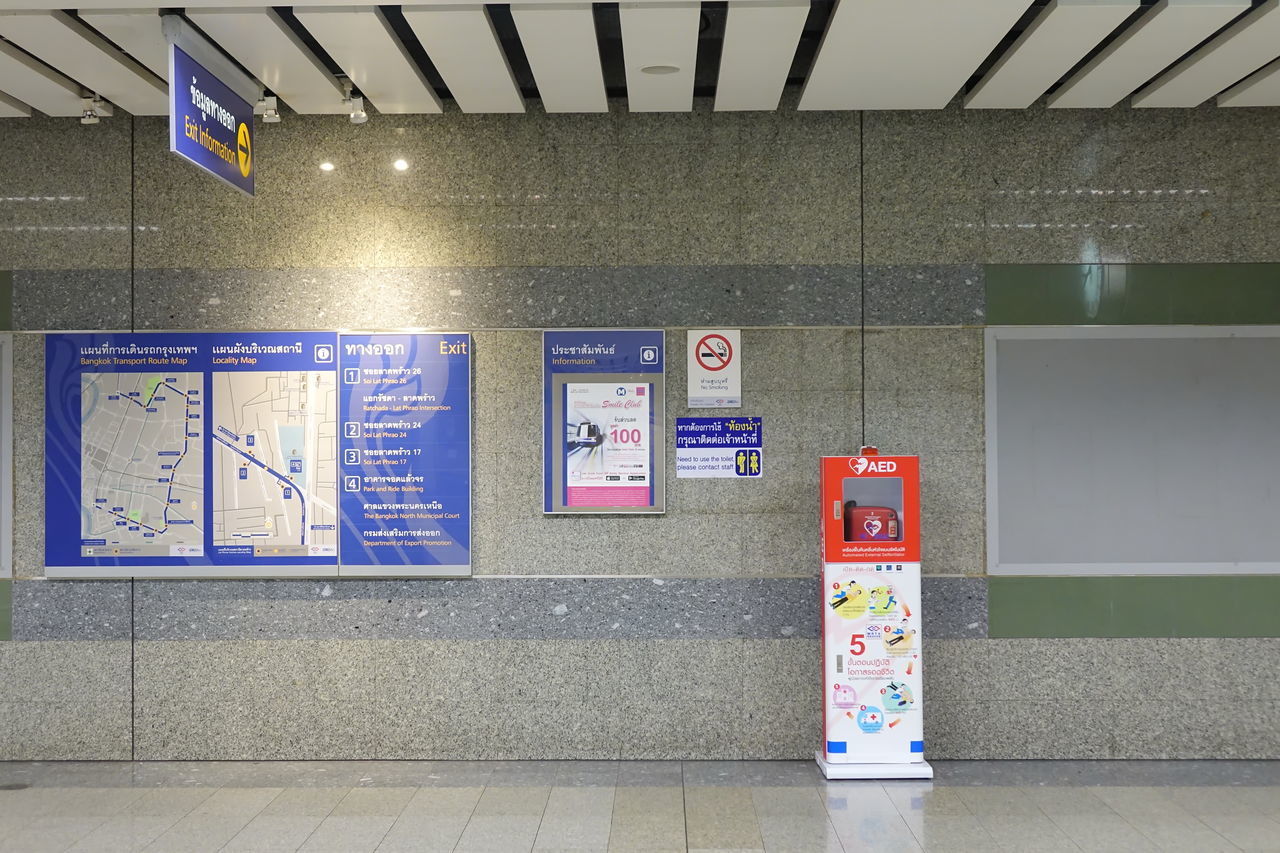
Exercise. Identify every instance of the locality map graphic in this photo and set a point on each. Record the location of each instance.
(274, 464)
(142, 464)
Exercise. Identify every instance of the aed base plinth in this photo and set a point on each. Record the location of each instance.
(914, 770)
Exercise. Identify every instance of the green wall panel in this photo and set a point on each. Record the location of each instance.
(6, 609)
(1132, 294)
(6, 300)
(1164, 606)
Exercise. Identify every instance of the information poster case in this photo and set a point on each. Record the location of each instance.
(406, 454)
(257, 454)
(872, 700)
(603, 416)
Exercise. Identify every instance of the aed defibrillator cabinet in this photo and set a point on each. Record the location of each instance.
(872, 702)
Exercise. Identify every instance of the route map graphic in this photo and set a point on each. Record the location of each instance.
(274, 462)
(142, 464)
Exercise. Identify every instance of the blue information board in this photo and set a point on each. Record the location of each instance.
(603, 411)
(207, 452)
(232, 455)
(209, 124)
(406, 454)
(719, 447)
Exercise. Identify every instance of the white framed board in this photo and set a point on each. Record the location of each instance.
(1128, 450)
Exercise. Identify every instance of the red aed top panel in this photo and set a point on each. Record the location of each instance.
(870, 509)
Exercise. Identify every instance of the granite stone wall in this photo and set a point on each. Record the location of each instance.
(850, 249)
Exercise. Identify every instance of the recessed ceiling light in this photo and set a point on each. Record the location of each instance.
(400, 165)
(326, 166)
(660, 69)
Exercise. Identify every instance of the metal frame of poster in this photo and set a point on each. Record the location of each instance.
(872, 655)
(216, 454)
(604, 410)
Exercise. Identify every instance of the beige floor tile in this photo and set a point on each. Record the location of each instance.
(952, 832)
(233, 802)
(647, 832)
(580, 802)
(997, 801)
(803, 800)
(373, 802)
(424, 833)
(721, 818)
(1177, 834)
(1026, 833)
(1067, 801)
(348, 834)
(161, 802)
(272, 833)
(568, 832)
(93, 802)
(799, 833)
(1139, 802)
(1246, 831)
(442, 801)
(1103, 833)
(873, 830)
(305, 802)
(50, 834)
(198, 833)
(646, 800)
(918, 800)
(126, 834)
(499, 834)
(501, 801)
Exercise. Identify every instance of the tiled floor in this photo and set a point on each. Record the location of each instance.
(171, 807)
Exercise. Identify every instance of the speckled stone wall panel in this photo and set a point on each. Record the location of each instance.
(924, 394)
(71, 610)
(64, 194)
(498, 297)
(524, 190)
(1100, 699)
(954, 606)
(28, 458)
(1069, 186)
(65, 700)
(941, 295)
(72, 299)
(550, 608)
(712, 528)
(437, 699)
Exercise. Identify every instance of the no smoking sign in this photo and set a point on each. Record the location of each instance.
(714, 352)
(715, 376)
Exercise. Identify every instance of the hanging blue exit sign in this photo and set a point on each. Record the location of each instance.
(209, 124)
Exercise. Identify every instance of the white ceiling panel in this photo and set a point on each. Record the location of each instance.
(1057, 39)
(1260, 90)
(32, 83)
(662, 38)
(137, 32)
(13, 108)
(760, 42)
(81, 54)
(363, 44)
(261, 42)
(560, 43)
(904, 54)
(1240, 50)
(462, 44)
(1165, 32)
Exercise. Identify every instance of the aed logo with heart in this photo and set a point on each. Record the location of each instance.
(862, 464)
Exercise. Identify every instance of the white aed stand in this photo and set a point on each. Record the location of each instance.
(873, 707)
